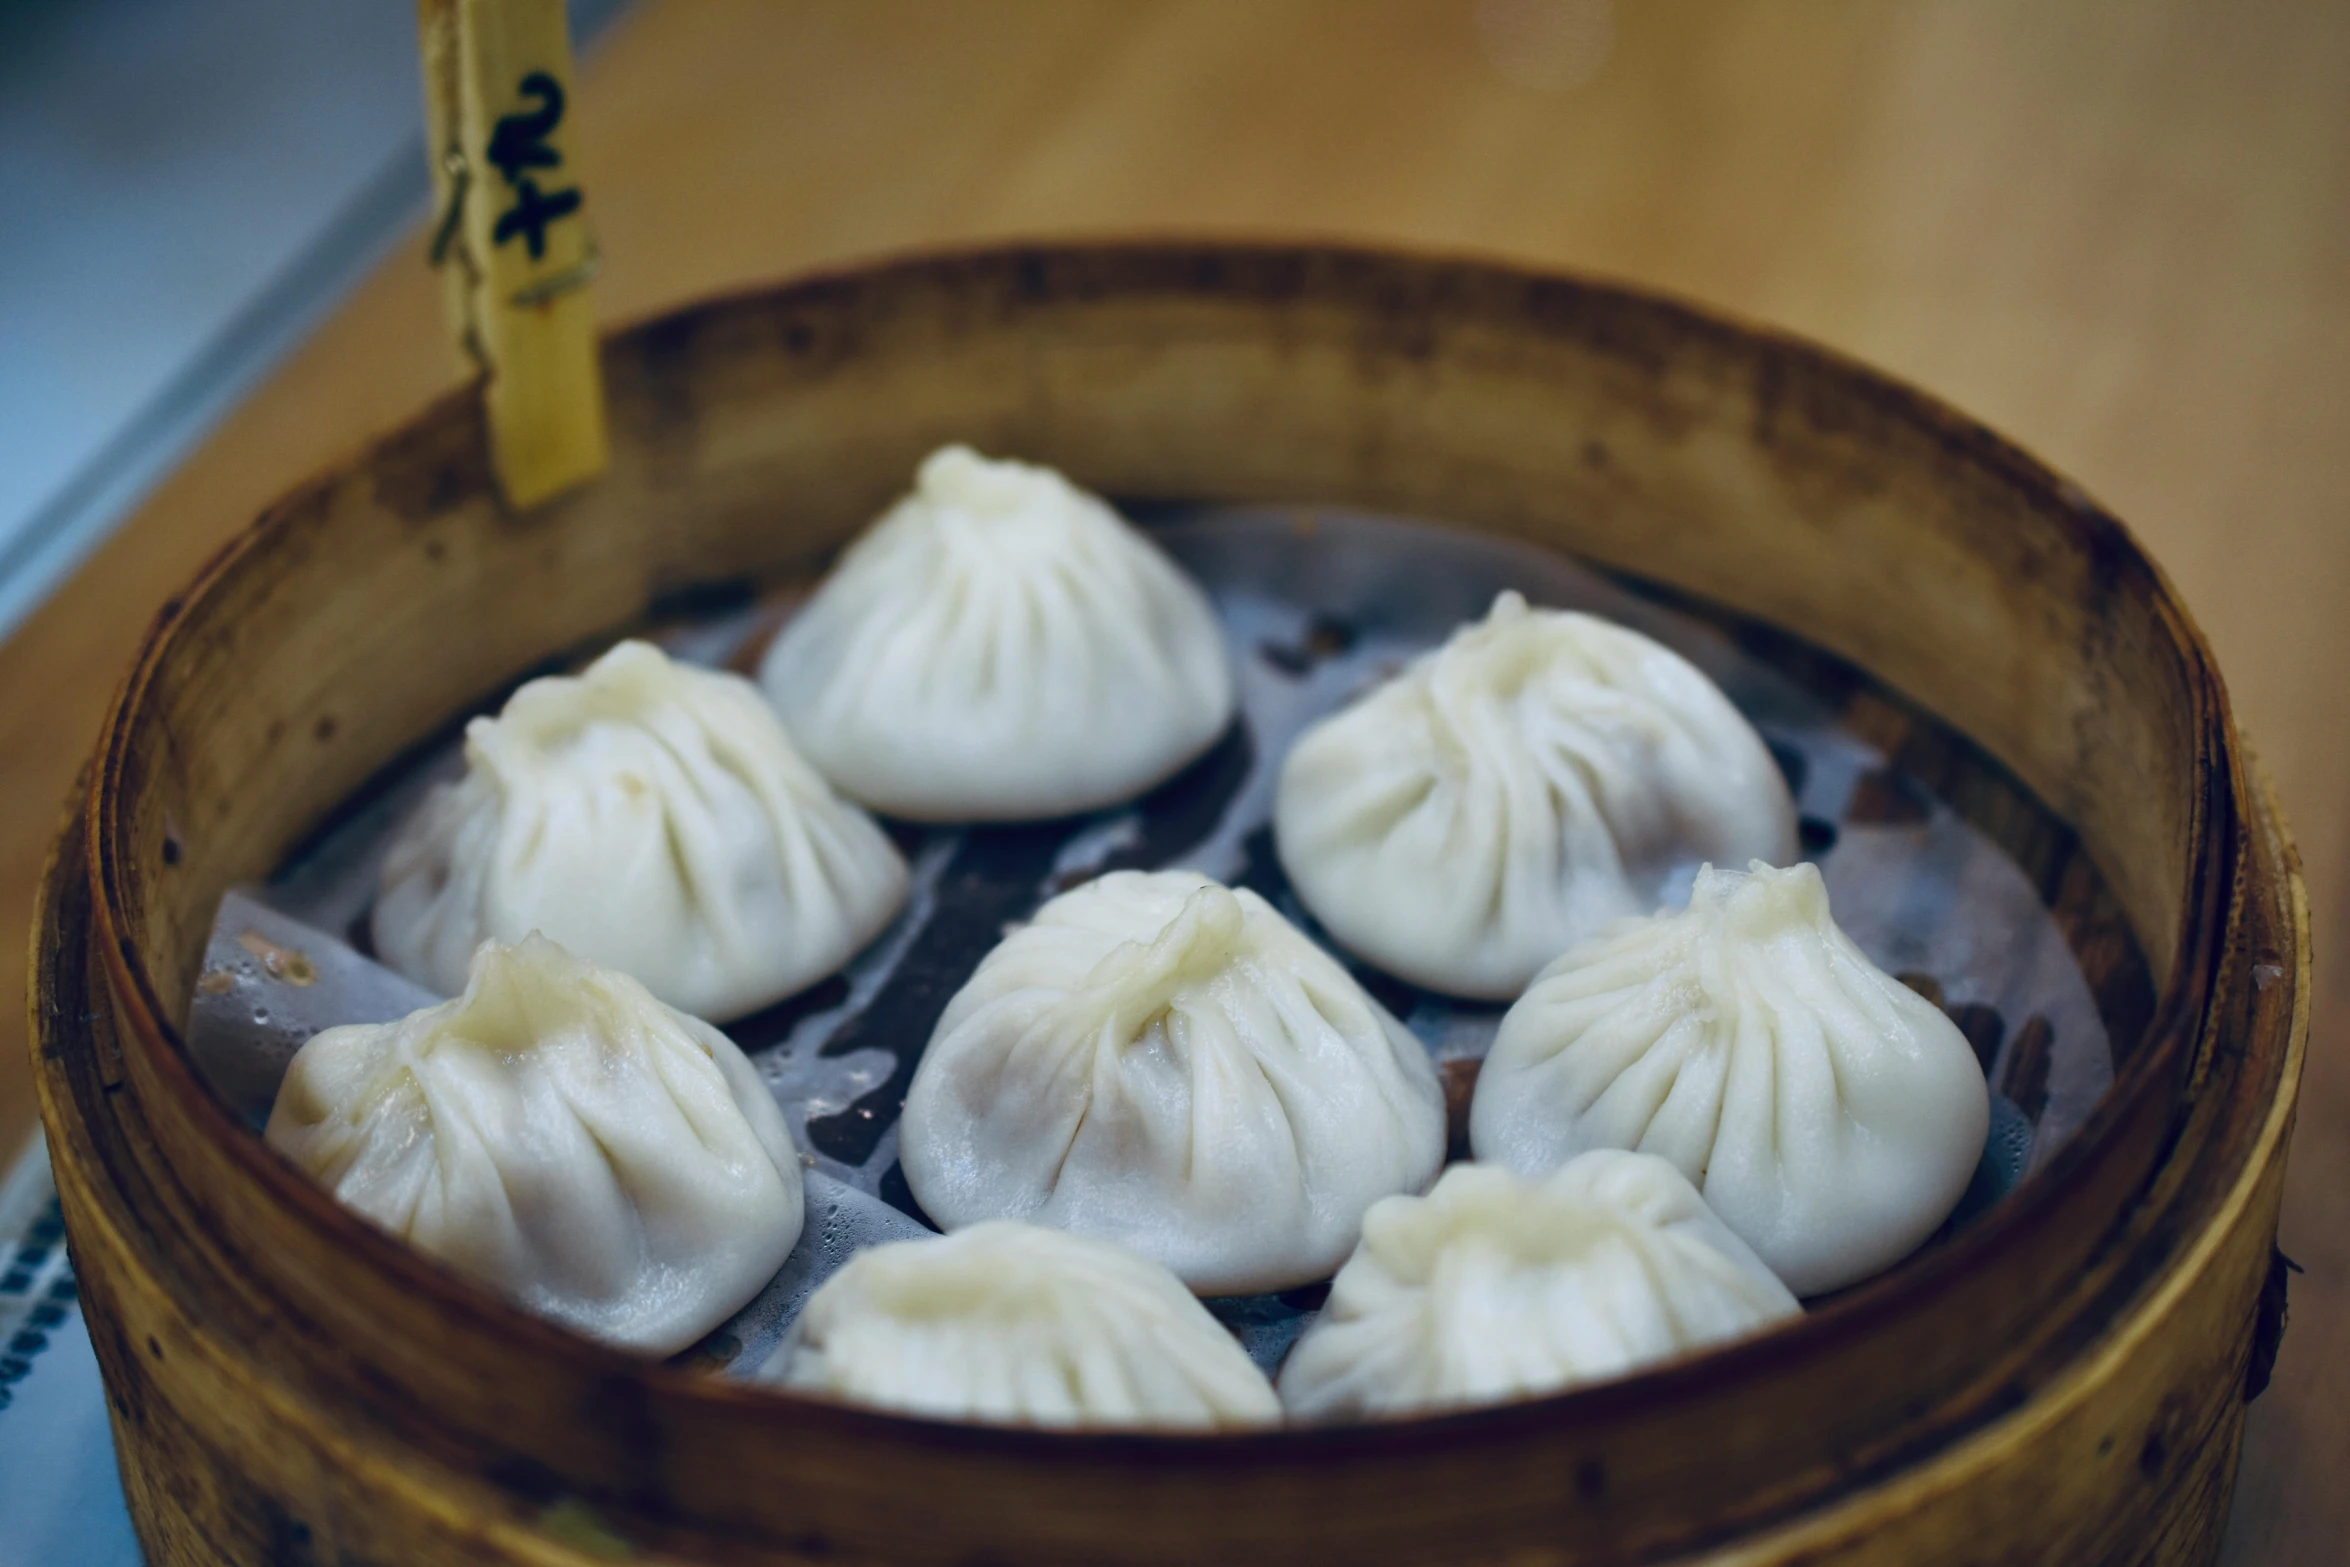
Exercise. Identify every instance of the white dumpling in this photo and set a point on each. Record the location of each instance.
(599, 1158)
(1830, 1115)
(1021, 1325)
(648, 815)
(1001, 646)
(1540, 774)
(1169, 1064)
(1494, 1287)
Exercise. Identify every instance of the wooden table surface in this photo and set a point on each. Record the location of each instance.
(2120, 232)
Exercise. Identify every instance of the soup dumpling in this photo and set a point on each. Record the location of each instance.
(1168, 1063)
(1494, 1286)
(1540, 774)
(1001, 646)
(1830, 1115)
(648, 815)
(560, 1135)
(1021, 1325)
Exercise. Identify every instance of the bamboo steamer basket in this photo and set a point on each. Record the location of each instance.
(2063, 1382)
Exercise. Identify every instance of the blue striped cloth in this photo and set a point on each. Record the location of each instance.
(60, 1497)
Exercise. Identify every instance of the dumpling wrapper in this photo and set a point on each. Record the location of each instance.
(1169, 1064)
(1540, 774)
(1830, 1115)
(1496, 1287)
(1001, 646)
(1022, 1325)
(597, 1157)
(647, 815)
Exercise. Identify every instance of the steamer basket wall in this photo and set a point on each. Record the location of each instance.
(2063, 1382)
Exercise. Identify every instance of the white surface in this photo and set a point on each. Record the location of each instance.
(163, 164)
(186, 186)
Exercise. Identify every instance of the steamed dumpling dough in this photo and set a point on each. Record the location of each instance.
(1829, 1114)
(648, 815)
(1001, 646)
(560, 1135)
(1496, 1287)
(1021, 1325)
(1169, 1064)
(1541, 773)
